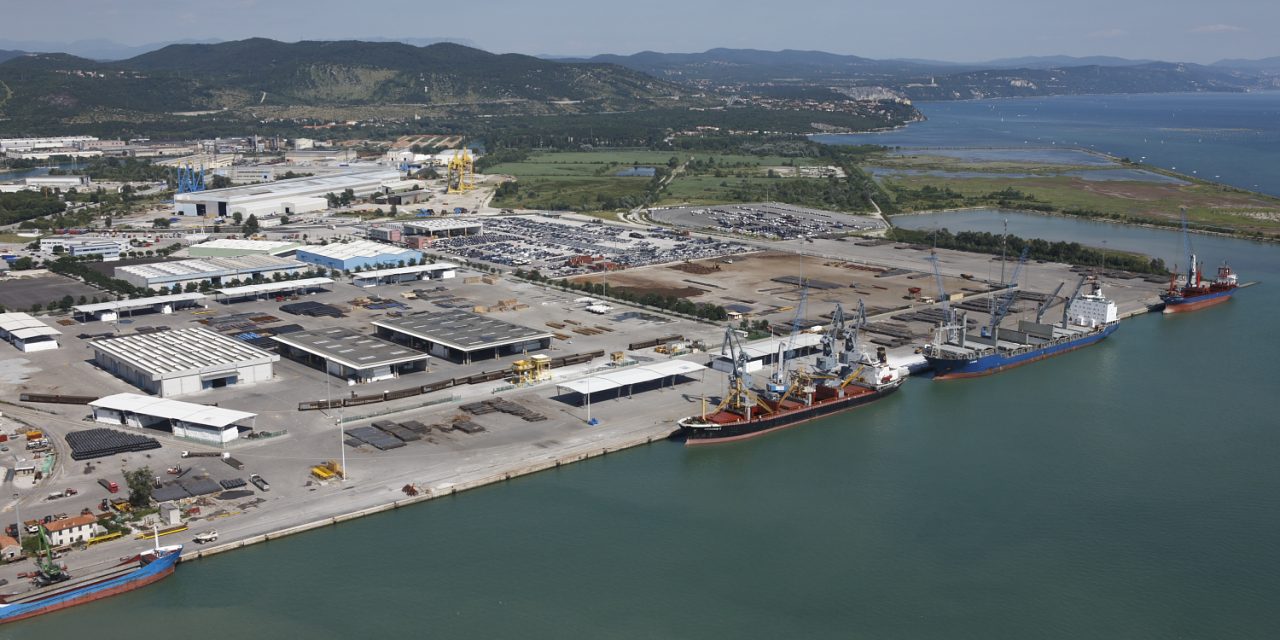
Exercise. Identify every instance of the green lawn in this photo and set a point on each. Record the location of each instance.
(706, 189)
(572, 193)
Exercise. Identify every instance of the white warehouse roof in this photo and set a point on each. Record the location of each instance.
(268, 287)
(353, 249)
(632, 375)
(137, 303)
(271, 247)
(313, 186)
(172, 410)
(382, 273)
(23, 326)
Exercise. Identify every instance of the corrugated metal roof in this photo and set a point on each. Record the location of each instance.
(198, 414)
(266, 287)
(137, 303)
(167, 354)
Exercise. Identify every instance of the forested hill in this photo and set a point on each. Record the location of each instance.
(254, 72)
(749, 69)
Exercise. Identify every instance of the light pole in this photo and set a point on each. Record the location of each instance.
(17, 507)
(328, 401)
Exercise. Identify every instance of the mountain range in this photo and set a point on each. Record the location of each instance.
(260, 74)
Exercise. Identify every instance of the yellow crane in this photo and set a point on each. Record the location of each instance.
(462, 172)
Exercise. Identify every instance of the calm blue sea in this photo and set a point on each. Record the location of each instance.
(1228, 137)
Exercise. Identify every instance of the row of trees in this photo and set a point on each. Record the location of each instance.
(1037, 249)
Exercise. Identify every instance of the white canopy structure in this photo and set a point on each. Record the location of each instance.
(187, 420)
(630, 376)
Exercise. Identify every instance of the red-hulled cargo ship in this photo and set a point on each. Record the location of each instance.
(1197, 293)
(841, 379)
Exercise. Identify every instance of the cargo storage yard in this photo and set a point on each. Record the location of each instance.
(418, 388)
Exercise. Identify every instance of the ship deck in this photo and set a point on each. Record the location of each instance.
(984, 345)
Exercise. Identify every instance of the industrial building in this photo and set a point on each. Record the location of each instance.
(267, 289)
(217, 271)
(282, 197)
(443, 228)
(433, 271)
(350, 355)
(183, 361)
(108, 247)
(235, 247)
(462, 336)
(358, 254)
(762, 353)
(213, 425)
(26, 333)
(111, 310)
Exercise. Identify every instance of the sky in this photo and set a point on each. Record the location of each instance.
(955, 30)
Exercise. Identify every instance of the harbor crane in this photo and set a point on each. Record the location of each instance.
(1006, 298)
(1044, 306)
(781, 378)
(948, 316)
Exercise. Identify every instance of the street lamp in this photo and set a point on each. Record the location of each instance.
(17, 507)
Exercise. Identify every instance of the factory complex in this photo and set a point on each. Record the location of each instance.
(216, 271)
(285, 197)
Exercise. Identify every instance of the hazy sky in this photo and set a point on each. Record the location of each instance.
(960, 30)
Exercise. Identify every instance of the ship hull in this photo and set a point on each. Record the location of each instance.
(744, 429)
(952, 369)
(1180, 304)
(69, 596)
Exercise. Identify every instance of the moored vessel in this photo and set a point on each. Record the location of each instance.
(1086, 319)
(1197, 293)
(842, 378)
(53, 588)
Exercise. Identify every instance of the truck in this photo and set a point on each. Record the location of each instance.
(109, 485)
(259, 482)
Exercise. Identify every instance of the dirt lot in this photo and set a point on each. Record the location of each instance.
(748, 284)
(18, 294)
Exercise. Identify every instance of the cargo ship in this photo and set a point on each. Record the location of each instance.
(842, 378)
(1086, 319)
(1197, 293)
(54, 588)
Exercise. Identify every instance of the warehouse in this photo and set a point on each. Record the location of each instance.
(235, 248)
(216, 271)
(443, 228)
(213, 425)
(183, 361)
(26, 333)
(350, 355)
(433, 271)
(283, 197)
(462, 336)
(111, 310)
(358, 254)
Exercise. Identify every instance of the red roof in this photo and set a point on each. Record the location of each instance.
(7, 541)
(71, 523)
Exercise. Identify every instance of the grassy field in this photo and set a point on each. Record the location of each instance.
(1142, 201)
(706, 189)
(1207, 203)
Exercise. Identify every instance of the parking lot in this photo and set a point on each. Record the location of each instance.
(555, 246)
(771, 221)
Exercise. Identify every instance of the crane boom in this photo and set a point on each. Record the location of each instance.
(1044, 306)
(1007, 297)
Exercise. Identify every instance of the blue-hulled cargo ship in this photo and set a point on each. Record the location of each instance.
(1086, 319)
(53, 588)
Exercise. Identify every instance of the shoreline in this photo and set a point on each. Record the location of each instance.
(1058, 214)
(425, 495)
